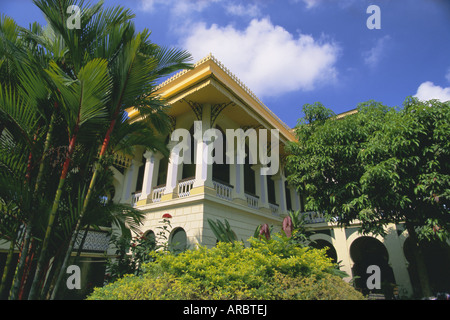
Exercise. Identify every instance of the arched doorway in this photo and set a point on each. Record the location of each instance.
(367, 251)
(178, 240)
(321, 244)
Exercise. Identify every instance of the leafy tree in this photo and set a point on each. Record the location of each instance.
(378, 166)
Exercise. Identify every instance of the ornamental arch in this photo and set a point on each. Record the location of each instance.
(321, 241)
(366, 251)
(178, 240)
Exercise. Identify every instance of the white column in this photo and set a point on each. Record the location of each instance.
(342, 251)
(264, 196)
(131, 176)
(256, 168)
(203, 170)
(150, 174)
(280, 191)
(397, 259)
(172, 169)
(238, 171)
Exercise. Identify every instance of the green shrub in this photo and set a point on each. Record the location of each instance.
(273, 269)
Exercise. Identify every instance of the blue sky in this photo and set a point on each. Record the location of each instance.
(294, 52)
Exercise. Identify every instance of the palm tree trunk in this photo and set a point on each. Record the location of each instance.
(86, 201)
(42, 256)
(8, 266)
(29, 226)
(27, 270)
(56, 266)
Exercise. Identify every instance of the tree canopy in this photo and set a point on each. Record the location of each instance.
(378, 165)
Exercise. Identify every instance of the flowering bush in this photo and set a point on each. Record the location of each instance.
(268, 269)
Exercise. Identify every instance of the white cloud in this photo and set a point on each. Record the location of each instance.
(428, 90)
(266, 57)
(177, 7)
(311, 3)
(149, 5)
(185, 13)
(314, 3)
(251, 10)
(373, 56)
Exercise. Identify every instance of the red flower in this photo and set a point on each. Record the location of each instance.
(436, 228)
(264, 231)
(167, 216)
(287, 226)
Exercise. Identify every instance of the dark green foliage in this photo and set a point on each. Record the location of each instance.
(378, 166)
(223, 232)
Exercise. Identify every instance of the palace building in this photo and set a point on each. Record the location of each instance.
(211, 96)
(208, 97)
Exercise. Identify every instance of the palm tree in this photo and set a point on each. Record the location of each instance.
(24, 100)
(134, 65)
(79, 83)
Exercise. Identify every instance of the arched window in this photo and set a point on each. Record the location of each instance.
(150, 239)
(178, 240)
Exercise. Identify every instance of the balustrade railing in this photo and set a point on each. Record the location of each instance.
(135, 198)
(184, 187)
(157, 193)
(274, 208)
(223, 191)
(252, 201)
(314, 217)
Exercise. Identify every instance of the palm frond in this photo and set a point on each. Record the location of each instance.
(84, 98)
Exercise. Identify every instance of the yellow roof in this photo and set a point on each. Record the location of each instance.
(211, 82)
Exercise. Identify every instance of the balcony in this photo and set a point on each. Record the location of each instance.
(223, 190)
(157, 193)
(275, 209)
(314, 217)
(185, 186)
(252, 201)
(135, 198)
(184, 189)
